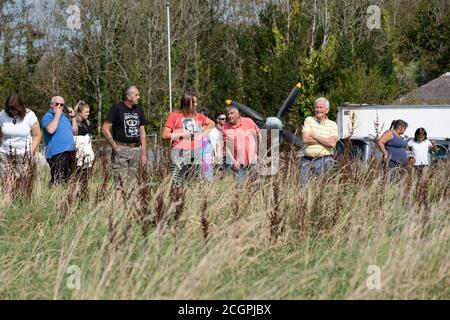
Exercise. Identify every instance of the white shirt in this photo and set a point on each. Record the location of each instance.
(16, 137)
(215, 137)
(85, 155)
(421, 152)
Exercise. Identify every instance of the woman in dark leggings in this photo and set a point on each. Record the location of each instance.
(393, 146)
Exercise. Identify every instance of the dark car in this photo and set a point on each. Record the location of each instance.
(361, 149)
(442, 153)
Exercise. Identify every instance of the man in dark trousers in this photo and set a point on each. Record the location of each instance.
(128, 139)
(59, 133)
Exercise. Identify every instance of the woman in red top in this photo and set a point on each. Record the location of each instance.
(185, 128)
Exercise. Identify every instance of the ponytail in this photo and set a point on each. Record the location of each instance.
(392, 124)
(398, 123)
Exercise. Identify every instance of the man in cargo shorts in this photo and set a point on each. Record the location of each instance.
(128, 139)
(320, 136)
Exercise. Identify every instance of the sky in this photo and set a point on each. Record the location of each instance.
(42, 15)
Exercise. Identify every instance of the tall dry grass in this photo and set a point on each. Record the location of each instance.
(265, 238)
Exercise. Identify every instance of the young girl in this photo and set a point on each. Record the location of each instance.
(420, 147)
(207, 153)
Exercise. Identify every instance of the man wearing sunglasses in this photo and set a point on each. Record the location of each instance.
(59, 131)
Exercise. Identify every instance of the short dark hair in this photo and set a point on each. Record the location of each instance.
(15, 103)
(203, 110)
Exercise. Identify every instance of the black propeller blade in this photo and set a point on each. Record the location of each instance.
(273, 122)
(246, 111)
(289, 101)
(292, 137)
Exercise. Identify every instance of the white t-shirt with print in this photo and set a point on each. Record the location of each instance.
(421, 152)
(16, 137)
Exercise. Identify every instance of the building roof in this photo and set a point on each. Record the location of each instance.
(433, 92)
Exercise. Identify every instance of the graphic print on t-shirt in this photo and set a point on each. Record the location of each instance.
(131, 124)
(189, 124)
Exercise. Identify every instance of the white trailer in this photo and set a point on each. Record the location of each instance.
(370, 121)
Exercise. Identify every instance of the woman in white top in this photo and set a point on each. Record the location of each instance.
(420, 147)
(20, 136)
(19, 129)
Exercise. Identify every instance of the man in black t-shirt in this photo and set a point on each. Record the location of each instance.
(128, 139)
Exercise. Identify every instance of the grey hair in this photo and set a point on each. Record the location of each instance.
(327, 103)
(128, 92)
(54, 99)
(231, 107)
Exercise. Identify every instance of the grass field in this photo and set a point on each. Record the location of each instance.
(266, 238)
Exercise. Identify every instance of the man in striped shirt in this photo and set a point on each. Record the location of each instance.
(320, 136)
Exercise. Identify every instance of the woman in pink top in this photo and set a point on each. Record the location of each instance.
(185, 129)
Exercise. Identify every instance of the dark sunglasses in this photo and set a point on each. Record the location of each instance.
(59, 104)
(221, 119)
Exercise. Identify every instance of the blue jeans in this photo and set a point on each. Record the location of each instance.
(310, 167)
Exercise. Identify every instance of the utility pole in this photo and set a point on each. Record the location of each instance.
(169, 54)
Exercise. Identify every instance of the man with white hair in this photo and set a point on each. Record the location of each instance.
(320, 136)
(59, 133)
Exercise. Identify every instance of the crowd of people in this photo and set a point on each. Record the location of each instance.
(200, 147)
